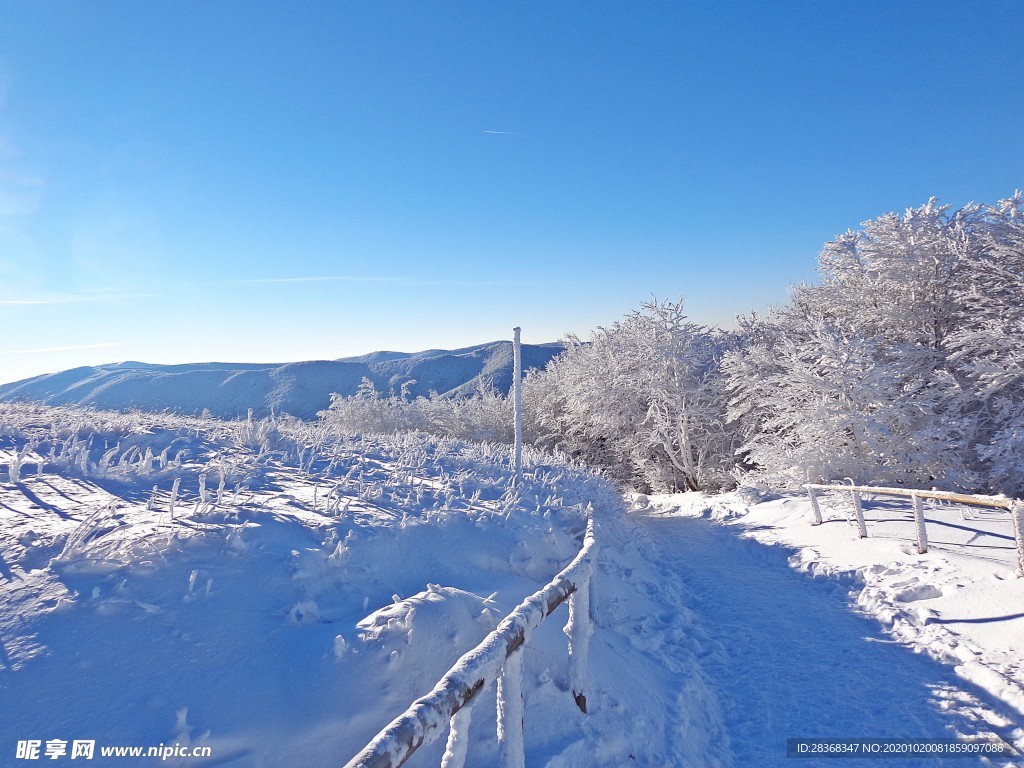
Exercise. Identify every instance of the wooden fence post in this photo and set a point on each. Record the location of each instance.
(458, 739)
(814, 506)
(1017, 513)
(922, 535)
(858, 511)
(511, 750)
(579, 631)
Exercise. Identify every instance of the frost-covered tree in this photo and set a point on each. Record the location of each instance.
(644, 399)
(854, 376)
(987, 350)
(900, 277)
(816, 402)
(904, 363)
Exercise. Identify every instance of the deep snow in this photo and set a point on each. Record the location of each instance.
(313, 595)
(284, 616)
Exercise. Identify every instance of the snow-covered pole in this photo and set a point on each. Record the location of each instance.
(814, 505)
(922, 535)
(1017, 513)
(579, 631)
(858, 511)
(517, 400)
(511, 750)
(458, 739)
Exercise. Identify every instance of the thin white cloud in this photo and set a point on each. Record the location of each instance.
(501, 133)
(82, 298)
(69, 348)
(414, 281)
(315, 279)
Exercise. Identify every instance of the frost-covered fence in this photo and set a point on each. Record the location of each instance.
(1013, 506)
(498, 659)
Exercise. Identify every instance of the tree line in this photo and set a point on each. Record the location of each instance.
(902, 364)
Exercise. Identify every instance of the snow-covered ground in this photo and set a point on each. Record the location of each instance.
(284, 615)
(278, 594)
(960, 606)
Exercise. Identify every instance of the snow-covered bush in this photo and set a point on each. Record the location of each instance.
(987, 350)
(485, 416)
(645, 400)
(820, 403)
(902, 365)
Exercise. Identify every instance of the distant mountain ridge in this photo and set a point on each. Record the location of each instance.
(229, 390)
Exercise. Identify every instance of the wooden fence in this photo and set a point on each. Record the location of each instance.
(1013, 506)
(498, 659)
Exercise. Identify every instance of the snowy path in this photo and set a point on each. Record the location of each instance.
(788, 657)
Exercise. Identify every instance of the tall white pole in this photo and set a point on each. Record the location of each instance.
(517, 395)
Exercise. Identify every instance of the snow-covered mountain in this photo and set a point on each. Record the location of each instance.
(229, 390)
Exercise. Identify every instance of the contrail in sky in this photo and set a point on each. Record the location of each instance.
(395, 280)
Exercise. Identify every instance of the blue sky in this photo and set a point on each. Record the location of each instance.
(273, 181)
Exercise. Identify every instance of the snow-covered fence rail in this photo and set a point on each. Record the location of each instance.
(1013, 506)
(498, 659)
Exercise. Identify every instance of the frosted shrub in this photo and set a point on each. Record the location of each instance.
(987, 349)
(903, 365)
(1004, 457)
(486, 416)
(645, 400)
(825, 405)
(14, 467)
